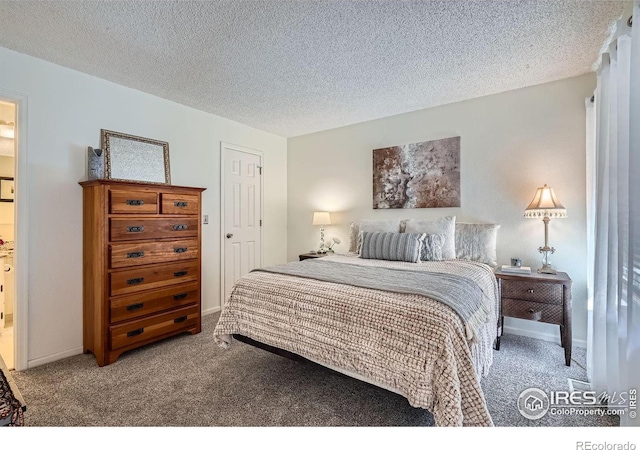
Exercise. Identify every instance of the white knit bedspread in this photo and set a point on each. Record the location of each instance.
(410, 344)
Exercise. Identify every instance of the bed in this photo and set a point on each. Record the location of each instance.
(424, 331)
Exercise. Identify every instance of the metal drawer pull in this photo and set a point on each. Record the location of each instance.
(531, 310)
(135, 280)
(180, 274)
(139, 229)
(180, 296)
(135, 332)
(180, 249)
(135, 202)
(134, 306)
(135, 255)
(530, 291)
(180, 319)
(180, 227)
(181, 204)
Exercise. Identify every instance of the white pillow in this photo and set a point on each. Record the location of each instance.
(354, 232)
(477, 242)
(372, 225)
(446, 226)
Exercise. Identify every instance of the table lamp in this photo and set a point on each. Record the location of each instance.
(321, 218)
(545, 205)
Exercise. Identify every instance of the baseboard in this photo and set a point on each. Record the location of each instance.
(52, 358)
(543, 336)
(213, 310)
(78, 351)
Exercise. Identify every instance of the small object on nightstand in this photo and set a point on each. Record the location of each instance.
(516, 262)
(516, 269)
(311, 255)
(537, 297)
(333, 241)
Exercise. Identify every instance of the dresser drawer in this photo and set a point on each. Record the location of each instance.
(129, 229)
(140, 304)
(534, 291)
(179, 204)
(139, 253)
(151, 327)
(132, 201)
(542, 312)
(161, 275)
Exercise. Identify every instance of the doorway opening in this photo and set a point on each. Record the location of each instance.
(8, 119)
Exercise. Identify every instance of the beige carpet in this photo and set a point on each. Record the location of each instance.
(189, 381)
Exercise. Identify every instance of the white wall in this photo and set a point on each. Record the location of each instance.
(511, 144)
(66, 110)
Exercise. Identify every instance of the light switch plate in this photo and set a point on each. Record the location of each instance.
(205, 219)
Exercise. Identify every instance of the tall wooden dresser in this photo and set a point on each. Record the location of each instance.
(142, 255)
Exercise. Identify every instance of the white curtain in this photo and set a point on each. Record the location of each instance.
(613, 207)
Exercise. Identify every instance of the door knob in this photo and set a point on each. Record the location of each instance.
(229, 235)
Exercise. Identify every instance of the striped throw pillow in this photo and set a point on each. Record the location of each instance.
(392, 246)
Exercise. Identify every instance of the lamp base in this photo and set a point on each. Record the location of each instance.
(546, 263)
(548, 270)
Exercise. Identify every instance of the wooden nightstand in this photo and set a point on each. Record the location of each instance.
(539, 297)
(311, 255)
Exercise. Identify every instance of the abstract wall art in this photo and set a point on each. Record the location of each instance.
(421, 175)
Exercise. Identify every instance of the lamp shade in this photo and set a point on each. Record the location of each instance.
(545, 204)
(321, 218)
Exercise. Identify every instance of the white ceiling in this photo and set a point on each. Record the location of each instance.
(296, 67)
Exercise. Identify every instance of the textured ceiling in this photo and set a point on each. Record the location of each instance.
(296, 67)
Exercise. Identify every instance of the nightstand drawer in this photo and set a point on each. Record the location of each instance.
(541, 312)
(534, 291)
